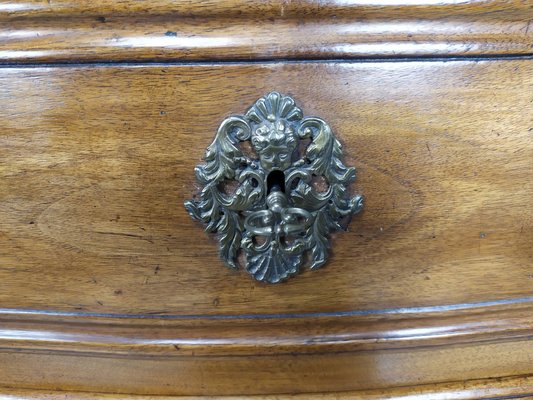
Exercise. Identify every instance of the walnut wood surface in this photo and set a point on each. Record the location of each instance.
(96, 163)
(479, 389)
(508, 9)
(102, 269)
(262, 374)
(126, 30)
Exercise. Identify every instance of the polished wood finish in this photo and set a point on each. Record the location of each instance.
(131, 30)
(507, 9)
(504, 388)
(102, 269)
(272, 374)
(109, 290)
(97, 162)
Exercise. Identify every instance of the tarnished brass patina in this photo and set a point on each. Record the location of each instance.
(278, 197)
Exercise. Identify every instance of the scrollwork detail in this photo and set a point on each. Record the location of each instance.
(275, 199)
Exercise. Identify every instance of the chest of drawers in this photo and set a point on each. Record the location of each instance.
(109, 290)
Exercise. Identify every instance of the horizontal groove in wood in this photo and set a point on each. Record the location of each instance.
(117, 31)
(305, 335)
(351, 313)
(259, 61)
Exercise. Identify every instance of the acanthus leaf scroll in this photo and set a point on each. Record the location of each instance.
(276, 213)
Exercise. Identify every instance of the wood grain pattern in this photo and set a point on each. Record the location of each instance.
(241, 336)
(475, 390)
(508, 9)
(268, 374)
(129, 30)
(109, 290)
(96, 163)
(102, 269)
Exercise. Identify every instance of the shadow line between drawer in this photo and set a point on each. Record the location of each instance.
(350, 313)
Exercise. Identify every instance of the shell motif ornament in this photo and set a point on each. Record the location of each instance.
(274, 188)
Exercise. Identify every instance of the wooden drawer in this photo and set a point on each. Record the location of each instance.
(103, 269)
(108, 289)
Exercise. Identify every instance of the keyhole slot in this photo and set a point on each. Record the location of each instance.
(276, 180)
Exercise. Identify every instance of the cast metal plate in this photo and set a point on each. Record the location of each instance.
(274, 187)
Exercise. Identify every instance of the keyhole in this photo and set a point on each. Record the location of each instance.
(276, 181)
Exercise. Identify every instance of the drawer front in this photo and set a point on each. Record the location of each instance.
(95, 245)
(97, 162)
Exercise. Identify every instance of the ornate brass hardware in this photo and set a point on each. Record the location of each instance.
(288, 195)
